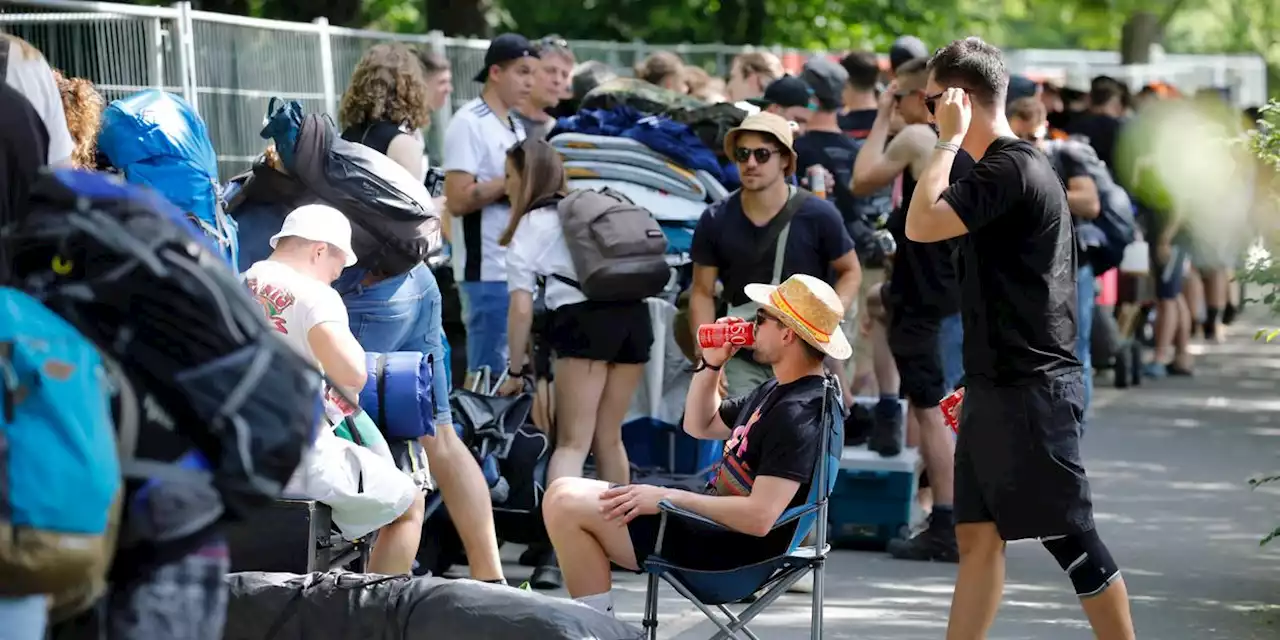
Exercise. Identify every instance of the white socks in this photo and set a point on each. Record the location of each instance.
(602, 602)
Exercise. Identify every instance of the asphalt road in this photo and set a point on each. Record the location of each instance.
(1169, 462)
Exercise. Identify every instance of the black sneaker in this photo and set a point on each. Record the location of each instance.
(859, 426)
(532, 556)
(547, 577)
(886, 436)
(934, 544)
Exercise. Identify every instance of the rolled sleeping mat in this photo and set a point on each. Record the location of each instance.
(398, 394)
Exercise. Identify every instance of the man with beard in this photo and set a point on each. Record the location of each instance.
(765, 232)
(921, 293)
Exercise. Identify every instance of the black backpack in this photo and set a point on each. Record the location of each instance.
(394, 225)
(147, 287)
(1105, 237)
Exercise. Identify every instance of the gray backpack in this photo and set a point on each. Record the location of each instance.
(618, 249)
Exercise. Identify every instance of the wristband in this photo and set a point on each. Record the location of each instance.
(949, 146)
(703, 364)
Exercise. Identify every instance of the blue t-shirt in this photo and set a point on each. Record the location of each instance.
(727, 240)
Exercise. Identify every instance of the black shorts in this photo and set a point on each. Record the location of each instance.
(689, 545)
(613, 332)
(917, 351)
(1018, 458)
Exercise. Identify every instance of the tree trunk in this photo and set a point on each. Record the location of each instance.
(345, 13)
(1139, 32)
(462, 18)
(235, 7)
(757, 12)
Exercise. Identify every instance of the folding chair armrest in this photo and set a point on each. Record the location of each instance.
(671, 509)
(795, 513)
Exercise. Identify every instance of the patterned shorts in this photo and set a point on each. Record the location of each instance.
(183, 600)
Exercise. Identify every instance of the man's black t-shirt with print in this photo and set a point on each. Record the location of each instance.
(727, 240)
(776, 432)
(1017, 266)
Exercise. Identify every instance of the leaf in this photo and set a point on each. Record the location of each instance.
(1272, 336)
(1270, 536)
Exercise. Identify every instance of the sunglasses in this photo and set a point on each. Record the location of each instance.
(762, 317)
(554, 42)
(931, 101)
(761, 154)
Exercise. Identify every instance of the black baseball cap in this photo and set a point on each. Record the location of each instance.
(787, 91)
(1021, 86)
(505, 48)
(906, 48)
(827, 80)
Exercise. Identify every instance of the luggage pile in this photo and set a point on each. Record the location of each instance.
(659, 149)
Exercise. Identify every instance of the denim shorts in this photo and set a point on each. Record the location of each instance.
(401, 313)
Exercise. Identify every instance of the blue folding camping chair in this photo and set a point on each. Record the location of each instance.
(771, 577)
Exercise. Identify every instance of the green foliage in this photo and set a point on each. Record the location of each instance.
(1261, 269)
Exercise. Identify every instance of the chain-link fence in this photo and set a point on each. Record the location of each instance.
(229, 67)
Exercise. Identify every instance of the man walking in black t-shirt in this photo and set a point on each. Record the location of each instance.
(1018, 470)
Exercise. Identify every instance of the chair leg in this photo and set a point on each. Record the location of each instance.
(650, 621)
(819, 593)
(740, 623)
(725, 630)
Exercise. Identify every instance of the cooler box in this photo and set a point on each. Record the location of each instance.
(653, 444)
(874, 497)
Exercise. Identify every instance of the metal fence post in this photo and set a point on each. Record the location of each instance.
(187, 55)
(326, 65)
(155, 49)
(440, 119)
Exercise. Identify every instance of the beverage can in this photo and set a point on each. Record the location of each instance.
(738, 334)
(818, 181)
(951, 409)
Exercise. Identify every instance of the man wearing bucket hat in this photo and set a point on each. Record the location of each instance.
(765, 232)
(773, 438)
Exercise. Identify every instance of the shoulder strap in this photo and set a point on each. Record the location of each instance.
(780, 223)
(5, 43)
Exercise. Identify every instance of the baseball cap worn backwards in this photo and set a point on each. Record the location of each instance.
(827, 80)
(787, 91)
(505, 48)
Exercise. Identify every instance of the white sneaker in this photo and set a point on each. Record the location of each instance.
(803, 585)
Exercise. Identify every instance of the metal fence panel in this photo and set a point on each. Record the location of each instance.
(230, 66)
(121, 50)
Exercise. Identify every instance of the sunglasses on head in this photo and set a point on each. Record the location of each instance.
(761, 154)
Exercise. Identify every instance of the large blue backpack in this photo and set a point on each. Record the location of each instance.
(159, 141)
(138, 279)
(59, 472)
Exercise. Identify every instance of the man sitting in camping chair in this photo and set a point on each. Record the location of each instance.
(774, 440)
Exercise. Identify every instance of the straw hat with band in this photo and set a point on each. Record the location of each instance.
(808, 306)
(770, 124)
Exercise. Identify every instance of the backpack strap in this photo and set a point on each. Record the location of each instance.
(5, 44)
(380, 379)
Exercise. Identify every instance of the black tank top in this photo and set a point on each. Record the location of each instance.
(375, 135)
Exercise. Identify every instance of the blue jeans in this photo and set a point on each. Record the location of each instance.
(484, 312)
(24, 618)
(951, 341)
(401, 313)
(1086, 292)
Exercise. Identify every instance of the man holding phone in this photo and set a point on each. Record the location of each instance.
(1018, 472)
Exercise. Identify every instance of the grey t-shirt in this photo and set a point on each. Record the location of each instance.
(535, 128)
